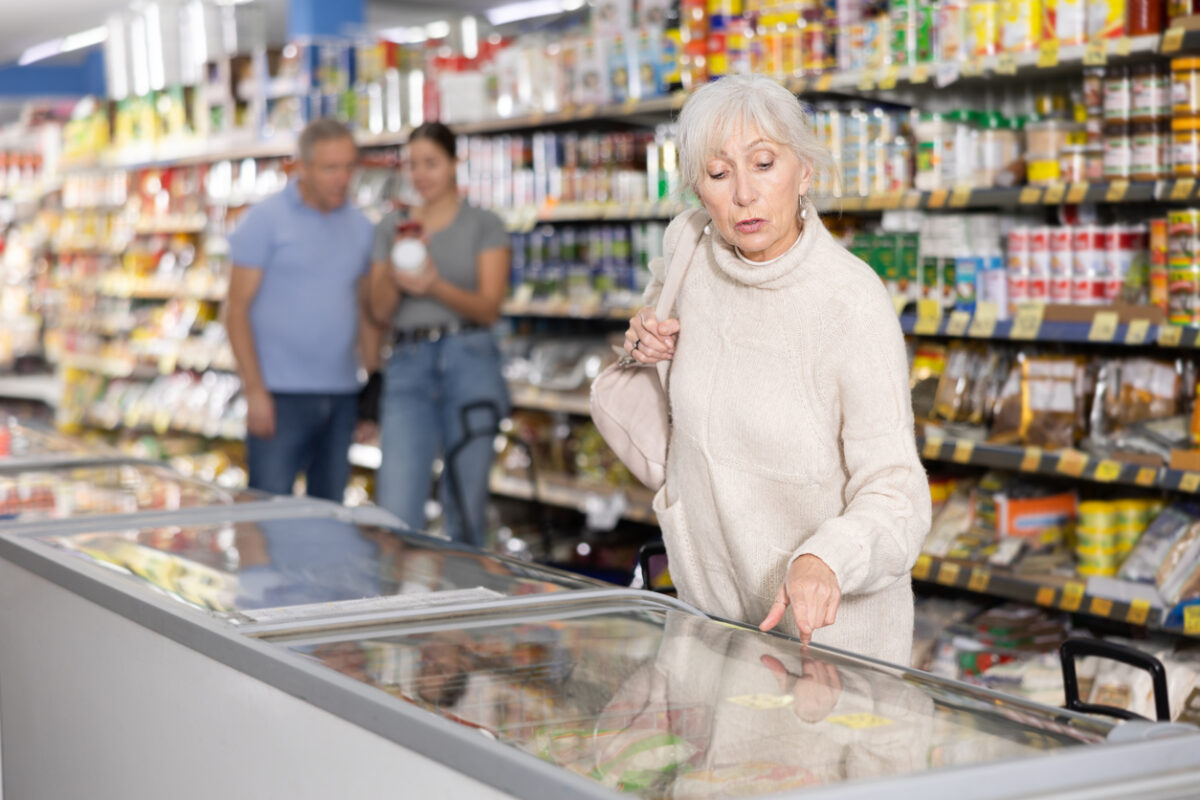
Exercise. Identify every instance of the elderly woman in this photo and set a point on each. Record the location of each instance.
(793, 482)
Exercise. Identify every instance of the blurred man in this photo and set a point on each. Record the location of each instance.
(300, 259)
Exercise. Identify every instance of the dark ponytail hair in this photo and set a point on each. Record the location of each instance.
(437, 133)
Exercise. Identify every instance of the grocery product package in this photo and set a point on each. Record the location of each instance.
(1178, 577)
(1148, 555)
(1052, 391)
(1006, 410)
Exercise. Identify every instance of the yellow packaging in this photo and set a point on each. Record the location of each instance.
(1021, 25)
(1092, 540)
(1106, 19)
(983, 24)
(1098, 515)
(1097, 572)
(1070, 21)
(1042, 171)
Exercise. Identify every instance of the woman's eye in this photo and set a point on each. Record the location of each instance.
(716, 176)
(766, 165)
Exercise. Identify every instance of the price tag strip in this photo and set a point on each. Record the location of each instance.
(1137, 332)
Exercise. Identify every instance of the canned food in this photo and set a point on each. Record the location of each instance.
(1018, 287)
(1060, 251)
(1097, 515)
(1087, 249)
(1088, 290)
(1061, 290)
(1039, 251)
(1039, 288)
(1183, 295)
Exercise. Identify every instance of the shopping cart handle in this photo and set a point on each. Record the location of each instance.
(1077, 648)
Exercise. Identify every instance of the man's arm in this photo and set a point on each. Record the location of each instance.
(243, 286)
(370, 335)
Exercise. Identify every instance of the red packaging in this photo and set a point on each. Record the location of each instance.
(1113, 288)
(1087, 249)
(1039, 288)
(1060, 289)
(1123, 244)
(1088, 290)
(1039, 251)
(1018, 287)
(1060, 252)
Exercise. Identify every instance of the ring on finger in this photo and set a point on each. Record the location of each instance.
(637, 344)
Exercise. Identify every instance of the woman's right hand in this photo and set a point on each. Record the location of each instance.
(650, 341)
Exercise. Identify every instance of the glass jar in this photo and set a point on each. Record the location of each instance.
(1093, 90)
(1144, 17)
(1185, 87)
(1072, 162)
(1148, 158)
(1185, 147)
(1118, 158)
(1118, 95)
(1094, 162)
(1151, 93)
(1000, 152)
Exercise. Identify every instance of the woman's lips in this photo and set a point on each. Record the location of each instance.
(750, 225)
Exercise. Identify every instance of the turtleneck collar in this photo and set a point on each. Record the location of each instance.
(767, 274)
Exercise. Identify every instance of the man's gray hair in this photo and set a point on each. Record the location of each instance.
(321, 130)
(716, 110)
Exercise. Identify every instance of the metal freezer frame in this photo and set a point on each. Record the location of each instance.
(1165, 752)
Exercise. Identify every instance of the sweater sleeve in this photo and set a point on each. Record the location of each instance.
(878, 537)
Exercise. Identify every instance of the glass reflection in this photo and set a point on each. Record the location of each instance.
(667, 705)
(247, 567)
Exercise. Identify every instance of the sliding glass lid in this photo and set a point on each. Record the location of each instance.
(664, 704)
(284, 570)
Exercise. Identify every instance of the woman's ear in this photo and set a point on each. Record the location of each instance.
(806, 178)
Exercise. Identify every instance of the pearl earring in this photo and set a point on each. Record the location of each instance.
(803, 208)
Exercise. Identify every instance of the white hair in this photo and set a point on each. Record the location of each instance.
(718, 109)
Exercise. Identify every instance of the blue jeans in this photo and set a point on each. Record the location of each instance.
(425, 390)
(312, 435)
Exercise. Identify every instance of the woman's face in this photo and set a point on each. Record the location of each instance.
(432, 169)
(752, 189)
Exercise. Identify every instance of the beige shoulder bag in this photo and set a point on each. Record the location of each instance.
(629, 402)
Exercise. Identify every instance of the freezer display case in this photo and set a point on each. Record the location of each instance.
(267, 573)
(19, 441)
(67, 489)
(314, 654)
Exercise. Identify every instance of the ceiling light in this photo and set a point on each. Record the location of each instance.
(438, 30)
(76, 41)
(528, 9)
(404, 35)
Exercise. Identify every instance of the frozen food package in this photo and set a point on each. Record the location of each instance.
(1143, 562)
(1051, 396)
(1178, 576)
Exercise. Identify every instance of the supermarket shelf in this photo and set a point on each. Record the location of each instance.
(45, 389)
(1067, 464)
(523, 220)
(1124, 335)
(533, 398)
(569, 494)
(189, 224)
(1075, 595)
(563, 310)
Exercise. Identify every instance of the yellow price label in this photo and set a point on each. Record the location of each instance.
(1055, 193)
(973, 67)
(1170, 335)
(1032, 459)
(1108, 471)
(860, 721)
(1104, 326)
(630, 105)
(1077, 192)
(983, 324)
(875, 202)
(1006, 64)
(948, 573)
(893, 199)
(932, 449)
(1146, 476)
(889, 79)
(920, 74)
(1072, 462)
(1191, 620)
(1028, 323)
(912, 200)
(853, 203)
(937, 198)
(587, 111)
(825, 82)
(1100, 607)
(1048, 54)
(1116, 191)
(900, 302)
(1190, 482)
(1072, 596)
(963, 450)
(980, 578)
(957, 326)
(929, 317)
(1183, 188)
(1137, 331)
(1045, 596)
(1030, 195)
(1139, 610)
(920, 570)
(1096, 53)
(1123, 46)
(960, 197)
(1172, 40)
(866, 81)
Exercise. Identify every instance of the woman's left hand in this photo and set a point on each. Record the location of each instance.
(420, 283)
(812, 590)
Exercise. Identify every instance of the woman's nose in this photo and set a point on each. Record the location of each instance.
(743, 189)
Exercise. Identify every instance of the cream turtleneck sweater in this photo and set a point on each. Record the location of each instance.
(792, 434)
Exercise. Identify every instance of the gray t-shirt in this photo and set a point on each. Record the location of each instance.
(455, 249)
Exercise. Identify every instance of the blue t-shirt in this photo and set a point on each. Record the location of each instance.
(305, 315)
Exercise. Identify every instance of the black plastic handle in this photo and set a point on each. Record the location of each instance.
(1078, 648)
(646, 552)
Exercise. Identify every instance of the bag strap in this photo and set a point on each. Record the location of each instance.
(676, 271)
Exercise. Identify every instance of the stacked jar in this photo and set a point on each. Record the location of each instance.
(1097, 549)
(1047, 140)
(1150, 116)
(1075, 265)
(1183, 267)
(1159, 259)
(1185, 125)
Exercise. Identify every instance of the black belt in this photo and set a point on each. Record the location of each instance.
(432, 334)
